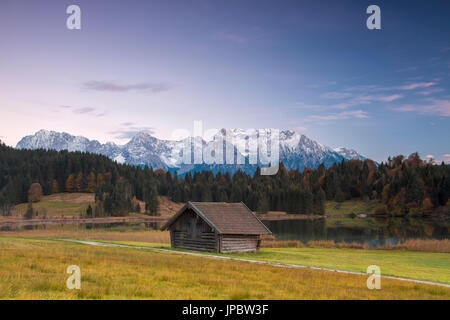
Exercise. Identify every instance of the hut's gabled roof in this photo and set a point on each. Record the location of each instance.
(226, 218)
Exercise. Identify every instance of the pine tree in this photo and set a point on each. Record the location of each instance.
(152, 201)
(89, 211)
(319, 202)
(30, 212)
(339, 197)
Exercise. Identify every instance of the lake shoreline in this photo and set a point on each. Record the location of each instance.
(19, 221)
(58, 221)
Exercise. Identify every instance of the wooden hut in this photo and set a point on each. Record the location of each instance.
(216, 227)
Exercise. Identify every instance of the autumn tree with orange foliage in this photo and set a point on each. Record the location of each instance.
(55, 186)
(35, 193)
(70, 183)
(91, 183)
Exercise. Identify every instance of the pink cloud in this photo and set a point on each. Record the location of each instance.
(336, 95)
(390, 98)
(359, 114)
(417, 85)
(360, 99)
(434, 107)
(427, 92)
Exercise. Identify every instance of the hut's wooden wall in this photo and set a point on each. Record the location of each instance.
(189, 231)
(238, 243)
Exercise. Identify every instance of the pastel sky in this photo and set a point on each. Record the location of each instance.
(155, 66)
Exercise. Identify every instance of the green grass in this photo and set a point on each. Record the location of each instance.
(55, 208)
(428, 266)
(351, 206)
(60, 204)
(36, 269)
(65, 204)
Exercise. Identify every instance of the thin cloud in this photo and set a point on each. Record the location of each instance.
(128, 132)
(366, 88)
(435, 107)
(359, 114)
(84, 111)
(336, 95)
(408, 86)
(127, 124)
(301, 129)
(102, 114)
(418, 85)
(359, 99)
(407, 69)
(389, 98)
(115, 87)
(430, 91)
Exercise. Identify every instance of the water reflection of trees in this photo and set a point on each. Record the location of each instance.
(375, 231)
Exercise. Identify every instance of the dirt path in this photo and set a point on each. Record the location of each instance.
(280, 265)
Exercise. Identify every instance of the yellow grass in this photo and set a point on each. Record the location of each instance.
(275, 213)
(74, 232)
(333, 244)
(84, 198)
(430, 245)
(281, 244)
(36, 269)
(131, 234)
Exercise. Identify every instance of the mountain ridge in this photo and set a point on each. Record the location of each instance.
(296, 151)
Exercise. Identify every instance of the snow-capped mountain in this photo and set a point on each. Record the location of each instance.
(296, 151)
(349, 153)
(44, 139)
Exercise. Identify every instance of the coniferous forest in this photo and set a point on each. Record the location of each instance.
(404, 185)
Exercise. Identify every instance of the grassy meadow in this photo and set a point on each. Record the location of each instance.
(351, 207)
(61, 204)
(75, 204)
(35, 269)
(135, 233)
(428, 266)
(33, 263)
